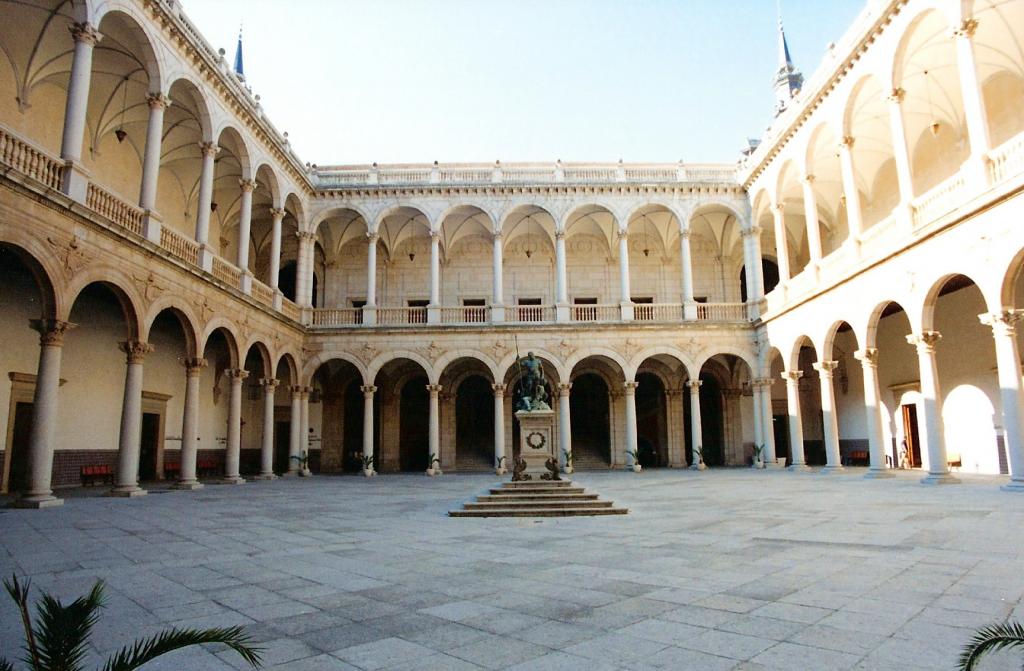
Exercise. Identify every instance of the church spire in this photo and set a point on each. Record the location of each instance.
(239, 69)
(788, 79)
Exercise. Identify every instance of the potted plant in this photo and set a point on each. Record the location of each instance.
(636, 468)
(303, 462)
(368, 466)
(758, 461)
(698, 459)
(499, 469)
(431, 469)
(988, 639)
(568, 460)
(59, 637)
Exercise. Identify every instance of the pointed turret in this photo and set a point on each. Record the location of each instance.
(239, 69)
(788, 79)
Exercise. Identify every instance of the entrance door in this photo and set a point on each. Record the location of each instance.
(474, 424)
(911, 436)
(282, 439)
(17, 481)
(413, 425)
(780, 429)
(149, 447)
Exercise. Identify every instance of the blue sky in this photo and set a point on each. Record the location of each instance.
(356, 81)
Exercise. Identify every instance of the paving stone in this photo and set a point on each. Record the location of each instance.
(382, 654)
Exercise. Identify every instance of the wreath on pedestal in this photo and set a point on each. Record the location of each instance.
(536, 440)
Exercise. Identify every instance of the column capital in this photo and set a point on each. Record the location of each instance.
(896, 95)
(751, 231)
(372, 237)
(368, 390)
(158, 101)
(496, 236)
(193, 365)
(564, 387)
(305, 236)
(277, 213)
(966, 28)
(269, 383)
(809, 178)
(498, 389)
(85, 32)
(630, 387)
(924, 341)
(780, 206)
(825, 368)
(868, 357)
(434, 389)
(847, 142)
(237, 373)
(247, 185)
(672, 392)
(693, 384)
(435, 236)
(297, 390)
(1003, 322)
(136, 350)
(792, 376)
(762, 382)
(621, 234)
(209, 149)
(51, 331)
(559, 235)
(684, 232)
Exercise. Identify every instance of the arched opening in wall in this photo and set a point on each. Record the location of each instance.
(770, 273)
(812, 420)
(265, 197)
(256, 364)
(966, 368)
(35, 64)
(405, 268)
(726, 411)
(926, 69)
(93, 364)
(287, 375)
(826, 186)
(337, 403)
(466, 238)
(124, 71)
(163, 398)
(528, 258)
(655, 271)
(590, 411)
(287, 279)
(186, 126)
(25, 294)
(1000, 69)
(778, 405)
(289, 249)
(848, 395)
(716, 252)
(231, 166)
(474, 424)
(221, 354)
(794, 216)
(899, 385)
(353, 429)
(868, 122)
(404, 404)
(652, 421)
(513, 389)
(342, 236)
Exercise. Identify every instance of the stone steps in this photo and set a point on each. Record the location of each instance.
(538, 498)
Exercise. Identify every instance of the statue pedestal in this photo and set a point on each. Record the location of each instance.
(536, 439)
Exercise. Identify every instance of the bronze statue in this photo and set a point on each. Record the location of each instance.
(519, 473)
(552, 465)
(532, 388)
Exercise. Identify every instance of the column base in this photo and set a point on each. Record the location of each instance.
(277, 300)
(369, 315)
(434, 471)
(75, 181)
(245, 283)
(127, 492)
(290, 474)
(265, 476)
(940, 479)
(234, 480)
(497, 314)
(698, 467)
(562, 313)
(1013, 486)
(151, 226)
(188, 485)
(305, 473)
(799, 468)
(36, 502)
(501, 471)
(369, 472)
(626, 312)
(205, 258)
(879, 474)
(832, 469)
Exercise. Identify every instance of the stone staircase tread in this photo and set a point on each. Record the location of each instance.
(480, 505)
(538, 512)
(538, 491)
(581, 496)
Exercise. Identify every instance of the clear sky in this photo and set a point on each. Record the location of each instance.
(357, 81)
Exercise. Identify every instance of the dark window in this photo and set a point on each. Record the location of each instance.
(418, 311)
(474, 310)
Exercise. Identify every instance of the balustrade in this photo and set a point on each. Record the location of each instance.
(27, 159)
(226, 272)
(723, 312)
(262, 293)
(113, 208)
(180, 246)
(1006, 160)
(943, 198)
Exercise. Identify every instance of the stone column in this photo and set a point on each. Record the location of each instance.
(696, 432)
(853, 213)
(368, 460)
(686, 263)
(781, 242)
(868, 358)
(632, 456)
(931, 433)
(811, 216)
(232, 454)
(370, 310)
(674, 428)
(497, 280)
(1004, 331)
(151, 164)
(500, 467)
(209, 151)
(899, 148)
(974, 101)
(295, 431)
(564, 427)
(247, 186)
(752, 269)
(44, 414)
(796, 427)
(434, 431)
(76, 180)
(304, 271)
(304, 430)
(561, 280)
(755, 388)
(190, 425)
(767, 421)
(830, 423)
(625, 300)
(275, 247)
(267, 446)
(128, 447)
(434, 307)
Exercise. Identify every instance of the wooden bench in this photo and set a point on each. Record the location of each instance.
(207, 467)
(172, 470)
(90, 473)
(857, 458)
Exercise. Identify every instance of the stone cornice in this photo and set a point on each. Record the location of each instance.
(442, 190)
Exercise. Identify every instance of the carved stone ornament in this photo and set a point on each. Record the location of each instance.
(68, 250)
(499, 348)
(148, 286)
(366, 353)
(631, 347)
(565, 348)
(432, 351)
(690, 346)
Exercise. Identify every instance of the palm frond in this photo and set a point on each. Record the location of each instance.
(5, 665)
(146, 650)
(62, 632)
(19, 594)
(990, 639)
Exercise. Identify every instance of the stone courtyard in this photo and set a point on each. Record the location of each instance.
(726, 569)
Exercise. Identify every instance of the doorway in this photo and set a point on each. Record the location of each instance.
(474, 424)
(21, 431)
(282, 441)
(413, 425)
(911, 453)
(150, 446)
